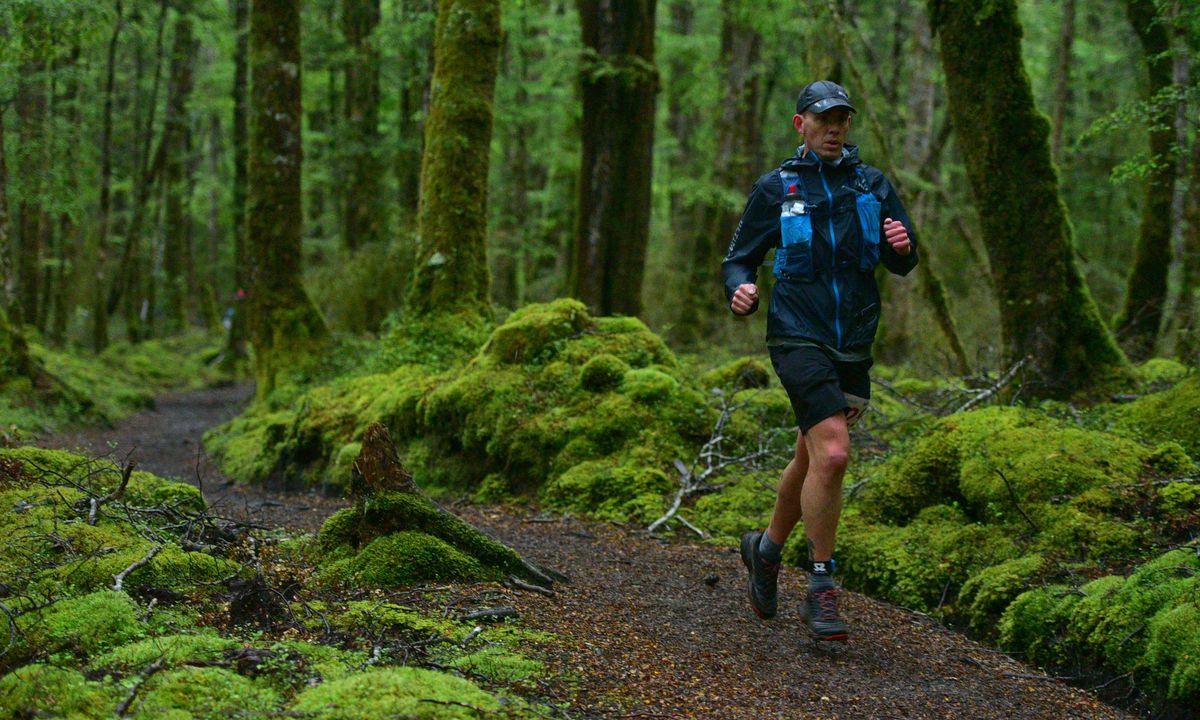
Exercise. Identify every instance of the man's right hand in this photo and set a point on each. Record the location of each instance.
(745, 298)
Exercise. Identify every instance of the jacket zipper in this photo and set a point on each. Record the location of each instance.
(837, 299)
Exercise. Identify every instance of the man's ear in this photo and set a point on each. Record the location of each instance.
(798, 123)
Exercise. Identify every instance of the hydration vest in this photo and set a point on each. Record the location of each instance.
(794, 257)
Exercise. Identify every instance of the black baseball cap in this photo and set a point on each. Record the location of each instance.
(821, 95)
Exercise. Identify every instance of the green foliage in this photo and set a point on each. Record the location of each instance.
(407, 692)
(620, 492)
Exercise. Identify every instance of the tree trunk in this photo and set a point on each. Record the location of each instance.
(31, 169)
(1062, 88)
(416, 59)
(1187, 346)
(619, 84)
(1146, 290)
(739, 145)
(235, 350)
(177, 258)
(69, 250)
(1047, 314)
(366, 211)
(451, 262)
(8, 285)
(283, 321)
(100, 310)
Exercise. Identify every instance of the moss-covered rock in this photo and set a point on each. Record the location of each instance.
(203, 693)
(603, 372)
(174, 650)
(43, 691)
(620, 492)
(1172, 414)
(405, 558)
(987, 593)
(741, 374)
(399, 692)
(84, 625)
(1160, 373)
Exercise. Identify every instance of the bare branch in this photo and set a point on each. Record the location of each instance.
(120, 577)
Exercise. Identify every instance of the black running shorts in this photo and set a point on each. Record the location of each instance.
(817, 384)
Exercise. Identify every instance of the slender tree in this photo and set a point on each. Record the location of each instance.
(1062, 87)
(100, 311)
(176, 147)
(1146, 290)
(236, 349)
(619, 84)
(31, 169)
(1047, 314)
(739, 145)
(283, 321)
(451, 263)
(366, 211)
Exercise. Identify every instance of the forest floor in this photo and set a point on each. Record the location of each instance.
(649, 628)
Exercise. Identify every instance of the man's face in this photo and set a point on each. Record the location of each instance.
(824, 133)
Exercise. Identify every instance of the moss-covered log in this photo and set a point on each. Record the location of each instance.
(1047, 313)
(451, 263)
(619, 84)
(1146, 291)
(283, 321)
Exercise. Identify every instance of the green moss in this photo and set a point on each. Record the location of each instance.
(172, 568)
(988, 592)
(203, 693)
(1170, 458)
(405, 558)
(530, 333)
(741, 374)
(173, 649)
(1173, 651)
(1159, 373)
(1035, 622)
(42, 691)
(603, 372)
(746, 502)
(1172, 414)
(611, 491)
(84, 625)
(1180, 496)
(498, 665)
(648, 385)
(400, 692)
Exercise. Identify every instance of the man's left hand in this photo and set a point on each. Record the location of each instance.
(897, 236)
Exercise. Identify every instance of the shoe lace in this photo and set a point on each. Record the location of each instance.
(827, 608)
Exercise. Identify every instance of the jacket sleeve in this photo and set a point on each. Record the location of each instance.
(894, 209)
(756, 233)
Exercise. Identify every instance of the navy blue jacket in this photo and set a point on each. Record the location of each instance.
(834, 299)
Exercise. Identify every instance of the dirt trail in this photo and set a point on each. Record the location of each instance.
(654, 629)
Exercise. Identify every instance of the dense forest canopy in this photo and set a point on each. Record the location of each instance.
(123, 209)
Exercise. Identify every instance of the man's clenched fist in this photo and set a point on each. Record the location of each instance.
(744, 299)
(897, 236)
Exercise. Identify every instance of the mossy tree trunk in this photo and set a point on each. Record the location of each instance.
(451, 259)
(1188, 313)
(31, 168)
(235, 350)
(1146, 290)
(100, 276)
(283, 322)
(1047, 313)
(619, 85)
(177, 252)
(366, 212)
(739, 145)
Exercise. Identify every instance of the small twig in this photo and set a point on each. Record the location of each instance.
(133, 691)
(472, 635)
(13, 631)
(120, 577)
(1016, 503)
(1004, 380)
(1111, 681)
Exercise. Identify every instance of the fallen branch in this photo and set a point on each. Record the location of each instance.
(114, 495)
(133, 691)
(120, 577)
(996, 387)
(518, 583)
(1012, 493)
(13, 631)
(491, 613)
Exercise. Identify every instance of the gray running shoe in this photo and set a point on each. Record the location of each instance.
(821, 614)
(764, 576)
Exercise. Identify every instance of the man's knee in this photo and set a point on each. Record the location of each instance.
(830, 444)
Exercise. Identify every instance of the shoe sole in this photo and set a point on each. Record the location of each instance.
(750, 582)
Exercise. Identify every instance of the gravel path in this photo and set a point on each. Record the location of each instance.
(655, 629)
